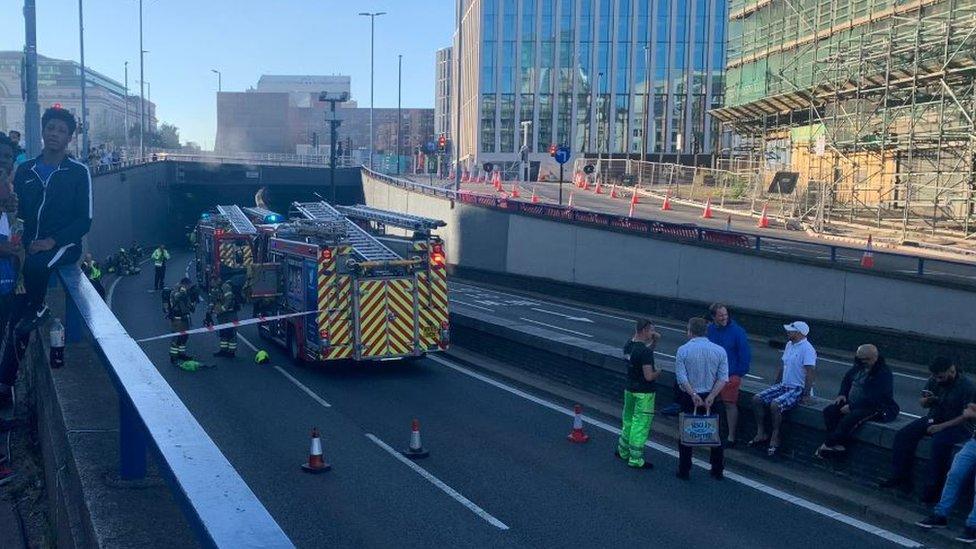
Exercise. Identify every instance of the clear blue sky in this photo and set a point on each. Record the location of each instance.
(243, 39)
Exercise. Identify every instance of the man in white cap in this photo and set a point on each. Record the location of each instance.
(793, 385)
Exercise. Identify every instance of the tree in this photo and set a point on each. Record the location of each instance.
(191, 147)
(167, 136)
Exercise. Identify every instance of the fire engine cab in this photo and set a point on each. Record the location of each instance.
(225, 244)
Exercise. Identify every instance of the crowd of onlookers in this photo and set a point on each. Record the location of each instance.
(710, 367)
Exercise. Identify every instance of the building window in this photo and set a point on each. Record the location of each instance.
(545, 122)
(488, 123)
(508, 123)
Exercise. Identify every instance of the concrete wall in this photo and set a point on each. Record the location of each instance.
(496, 241)
(131, 204)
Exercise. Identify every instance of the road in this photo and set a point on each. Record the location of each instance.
(501, 473)
(801, 244)
(612, 327)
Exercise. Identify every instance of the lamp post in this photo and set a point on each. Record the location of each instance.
(32, 108)
(84, 78)
(399, 107)
(142, 97)
(125, 116)
(219, 84)
(372, 36)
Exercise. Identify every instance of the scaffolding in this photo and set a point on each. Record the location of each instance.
(870, 102)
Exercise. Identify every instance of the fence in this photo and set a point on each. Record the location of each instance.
(216, 501)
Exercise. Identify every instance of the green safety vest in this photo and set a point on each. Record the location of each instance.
(95, 273)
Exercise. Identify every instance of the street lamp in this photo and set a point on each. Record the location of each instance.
(399, 106)
(219, 85)
(84, 78)
(125, 118)
(142, 97)
(372, 34)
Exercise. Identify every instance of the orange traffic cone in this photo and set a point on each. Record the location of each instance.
(577, 435)
(867, 260)
(515, 190)
(598, 189)
(707, 214)
(535, 197)
(316, 460)
(585, 183)
(570, 203)
(613, 191)
(416, 448)
(763, 219)
(633, 204)
(667, 202)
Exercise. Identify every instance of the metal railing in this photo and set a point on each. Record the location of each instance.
(958, 272)
(216, 501)
(269, 159)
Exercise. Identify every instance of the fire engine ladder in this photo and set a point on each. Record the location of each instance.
(237, 219)
(259, 213)
(362, 242)
(393, 219)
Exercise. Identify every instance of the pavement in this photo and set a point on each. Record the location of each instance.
(937, 265)
(501, 472)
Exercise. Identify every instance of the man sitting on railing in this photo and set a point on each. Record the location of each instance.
(55, 195)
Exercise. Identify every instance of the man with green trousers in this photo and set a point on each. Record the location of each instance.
(639, 395)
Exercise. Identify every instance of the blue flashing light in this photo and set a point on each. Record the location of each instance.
(272, 218)
(205, 216)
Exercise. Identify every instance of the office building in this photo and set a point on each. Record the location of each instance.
(442, 92)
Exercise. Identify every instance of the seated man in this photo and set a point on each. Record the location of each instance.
(866, 394)
(56, 206)
(946, 395)
(960, 475)
(793, 385)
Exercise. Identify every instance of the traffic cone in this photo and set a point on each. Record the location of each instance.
(707, 214)
(515, 191)
(577, 435)
(316, 461)
(667, 202)
(416, 449)
(867, 260)
(570, 203)
(598, 189)
(586, 183)
(763, 219)
(535, 197)
(613, 191)
(633, 204)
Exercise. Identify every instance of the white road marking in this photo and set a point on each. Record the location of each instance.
(554, 327)
(466, 304)
(910, 415)
(288, 376)
(750, 376)
(835, 361)
(111, 292)
(756, 485)
(567, 317)
(910, 376)
(470, 505)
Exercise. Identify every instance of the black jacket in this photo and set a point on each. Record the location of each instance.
(878, 392)
(60, 209)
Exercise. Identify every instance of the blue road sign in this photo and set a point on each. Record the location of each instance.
(562, 155)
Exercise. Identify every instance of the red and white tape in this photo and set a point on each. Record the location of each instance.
(217, 327)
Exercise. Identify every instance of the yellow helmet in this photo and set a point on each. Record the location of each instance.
(262, 357)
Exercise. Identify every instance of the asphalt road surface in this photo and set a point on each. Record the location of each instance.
(801, 244)
(501, 473)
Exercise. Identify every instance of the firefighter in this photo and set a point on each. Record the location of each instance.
(160, 257)
(123, 264)
(223, 309)
(94, 273)
(181, 304)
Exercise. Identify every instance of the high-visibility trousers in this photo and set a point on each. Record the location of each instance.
(637, 418)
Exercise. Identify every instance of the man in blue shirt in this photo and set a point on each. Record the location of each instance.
(727, 334)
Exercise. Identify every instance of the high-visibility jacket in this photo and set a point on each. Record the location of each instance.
(92, 270)
(160, 257)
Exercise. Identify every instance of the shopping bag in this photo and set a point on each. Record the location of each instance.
(699, 430)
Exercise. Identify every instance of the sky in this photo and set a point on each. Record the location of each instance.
(243, 39)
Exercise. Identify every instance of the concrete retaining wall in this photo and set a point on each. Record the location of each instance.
(504, 243)
(131, 204)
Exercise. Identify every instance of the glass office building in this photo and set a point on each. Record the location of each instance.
(585, 72)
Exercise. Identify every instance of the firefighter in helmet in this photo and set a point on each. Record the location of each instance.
(224, 305)
(181, 304)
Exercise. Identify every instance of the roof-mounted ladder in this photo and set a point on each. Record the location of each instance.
(393, 219)
(365, 246)
(237, 219)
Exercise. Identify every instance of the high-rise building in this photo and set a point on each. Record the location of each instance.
(58, 82)
(442, 91)
(584, 73)
(869, 104)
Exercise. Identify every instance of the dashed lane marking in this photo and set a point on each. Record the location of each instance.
(554, 327)
(470, 505)
(288, 376)
(756, 485)
(466, 304)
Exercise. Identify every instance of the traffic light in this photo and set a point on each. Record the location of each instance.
(442, 143)
(552, 150)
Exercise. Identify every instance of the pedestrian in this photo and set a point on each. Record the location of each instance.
(10, 260)
(20, 155)
(702, 369)
(181, 304)
(961, 473)
(793, 384)
(945, 395)
(866, 394)
(223, 307)
(160, 257)
(55, 203)
(639, 396)
(94, 273)
(727, 334)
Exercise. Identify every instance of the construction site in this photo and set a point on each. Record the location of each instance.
(855, 113)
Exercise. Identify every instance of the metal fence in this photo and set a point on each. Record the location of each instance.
(216, 501)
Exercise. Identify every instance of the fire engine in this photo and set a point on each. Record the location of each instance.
(225, 240)
(366, 302)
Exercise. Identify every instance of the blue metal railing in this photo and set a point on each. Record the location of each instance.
(217, 502)
(959, 272)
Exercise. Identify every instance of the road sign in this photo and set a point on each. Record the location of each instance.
(588, 169)
(488, 167)
(562, 154)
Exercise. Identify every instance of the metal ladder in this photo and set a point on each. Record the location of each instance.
(394, 219)
(365, 246)
(237, 219)
(261, 213)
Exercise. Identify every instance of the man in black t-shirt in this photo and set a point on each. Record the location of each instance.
(639, 396)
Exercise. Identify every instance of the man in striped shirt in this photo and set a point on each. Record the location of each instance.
(702, 370)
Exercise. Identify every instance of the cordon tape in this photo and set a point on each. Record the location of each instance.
(234, 324)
